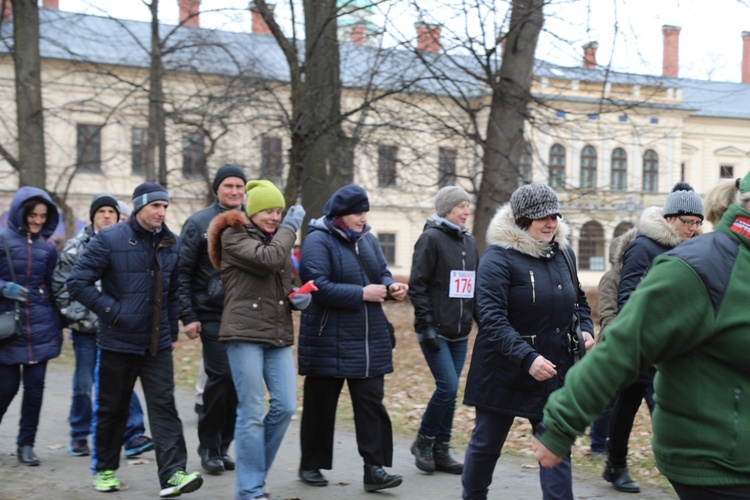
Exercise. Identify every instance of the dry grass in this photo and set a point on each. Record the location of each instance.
(409, 388)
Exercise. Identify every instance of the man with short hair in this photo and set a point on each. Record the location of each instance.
(201, 305)
(104, 212)
(138, 313)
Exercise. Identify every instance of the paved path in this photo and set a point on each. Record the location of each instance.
(61, 476)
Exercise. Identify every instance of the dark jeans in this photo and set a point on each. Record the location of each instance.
(627, 402)
(219, 413)
(446, 366)
(599, 430)
(686, 492)
(84, 348)
(33, 391)
(371, 421)
(487, 440)
(115, 377)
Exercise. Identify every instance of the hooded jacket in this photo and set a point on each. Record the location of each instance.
(340, 334)
(689, 318)
(137, 305)
(33, 259)
(524, 305)
(257, 277)
(441, 248)
(610, 281)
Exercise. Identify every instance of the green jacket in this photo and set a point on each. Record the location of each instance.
(689, 316)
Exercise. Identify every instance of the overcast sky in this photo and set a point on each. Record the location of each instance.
(629, 32)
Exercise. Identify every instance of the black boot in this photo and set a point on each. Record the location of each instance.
(312, 477)
(228, 462)
(621, 480)
(422, 451)
(27, 456)
(211, 460)
(444, 462)
(378, 479)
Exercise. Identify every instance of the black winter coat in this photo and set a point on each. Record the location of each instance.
(439, 250)
(133, 264)
(341, 335)
(524, 305)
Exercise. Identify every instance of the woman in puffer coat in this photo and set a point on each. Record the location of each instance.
(524, 305)
(32, 219)
(253, 254)
(344, 336)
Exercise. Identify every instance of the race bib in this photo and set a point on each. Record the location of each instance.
(462, 284)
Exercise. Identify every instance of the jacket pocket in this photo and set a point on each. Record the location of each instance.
(323, 321)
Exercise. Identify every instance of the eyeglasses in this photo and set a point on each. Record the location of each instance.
(691, 223)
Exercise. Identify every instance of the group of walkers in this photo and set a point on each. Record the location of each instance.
(124, 281)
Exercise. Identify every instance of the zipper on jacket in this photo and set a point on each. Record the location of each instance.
(29, 254)
(461, 303)
(736, 423)
(367, 342)
(533, 287)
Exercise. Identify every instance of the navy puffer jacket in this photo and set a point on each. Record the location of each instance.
(340, 334)
(132, 264)
(524, 305)
(34, 260)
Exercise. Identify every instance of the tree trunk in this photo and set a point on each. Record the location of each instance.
(156, 152)
(30, 117)
(510, 99)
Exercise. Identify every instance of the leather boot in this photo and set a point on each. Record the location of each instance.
(211, 460)
(444, 462)
(621, 480)
(378, 479)
(27, 456)
(228, 462)
(423, 455)
(312, 477)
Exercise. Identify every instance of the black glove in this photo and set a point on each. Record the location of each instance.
(430, 339)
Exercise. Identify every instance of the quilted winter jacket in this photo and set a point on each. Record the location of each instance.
(78, 318)
(33, 259)
(439, 250)
(134, 265)
(201, 289)
(524, 305)
(257, 278)
(610, 282)
(341, 335)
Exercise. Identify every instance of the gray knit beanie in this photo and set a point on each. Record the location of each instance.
(683, 200)
(534, 201)
(448, 197)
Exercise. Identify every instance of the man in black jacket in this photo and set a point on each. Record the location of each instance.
(201, 304)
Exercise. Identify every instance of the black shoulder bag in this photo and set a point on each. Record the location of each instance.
(10, 321)
(575, 335)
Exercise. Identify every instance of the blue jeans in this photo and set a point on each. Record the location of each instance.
(33, 391)
(446, 366)
(487, 440)
(257, 437)
(84, 348)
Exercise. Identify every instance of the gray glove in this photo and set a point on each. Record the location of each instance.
(74, 312)
(430, 338)
(14, 291)
(301, 301)
(293, 219)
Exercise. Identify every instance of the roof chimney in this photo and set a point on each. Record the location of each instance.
(359, 33)
(7, 8)
(671, 63)
(428, 37)
(190, 12)
(51, 4)
(746, 57)
(259, 24)
(589, 54)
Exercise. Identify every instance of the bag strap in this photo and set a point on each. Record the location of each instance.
(362, 262)
(573, 274)
(10, 269)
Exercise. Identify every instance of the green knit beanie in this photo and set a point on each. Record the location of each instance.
(262, 195)
(745, 184)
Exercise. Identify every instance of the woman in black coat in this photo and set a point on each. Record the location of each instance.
(524, 305)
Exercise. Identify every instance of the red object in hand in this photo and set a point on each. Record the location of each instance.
(308, 287)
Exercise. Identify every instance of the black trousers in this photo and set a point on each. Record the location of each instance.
(686, 492)
(371, 421)
(219, 413)
(626, 406)
(116, 376)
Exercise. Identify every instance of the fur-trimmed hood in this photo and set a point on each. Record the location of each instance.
(653, 225)
(230, 218)
(619, 244)
(504, 233)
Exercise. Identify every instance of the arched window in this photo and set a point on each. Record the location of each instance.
(619, 178)
(591, 247)
(588, 168)
(557, 166)
(650, 171)
(524, 170)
